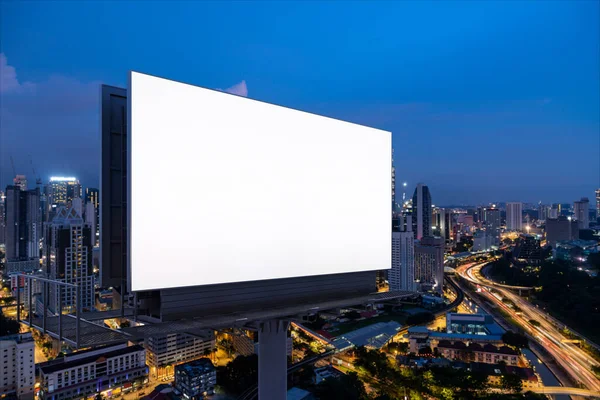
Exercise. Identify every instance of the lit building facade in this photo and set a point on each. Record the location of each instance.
(561, 229)
(62, 190)
(69, 259)
(402, 274)
(96, 371)
(196, 379)
(581, 213)
(422, 212)
(23, 225)
(163, 352)
(514, 216)
(18, 366)
(429, 263)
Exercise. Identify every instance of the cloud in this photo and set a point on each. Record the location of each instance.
(8, 78)
(54, 121)
(239, 88)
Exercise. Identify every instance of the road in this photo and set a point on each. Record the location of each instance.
(572, 359)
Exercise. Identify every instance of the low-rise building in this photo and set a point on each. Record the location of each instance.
(165, 351)
(100, 370)
(420, 337)
(475, 352)
(196, 379)
(17, 366)
(245, 342)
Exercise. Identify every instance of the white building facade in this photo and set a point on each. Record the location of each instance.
(402, 274)
(17, 366)
(514, 216)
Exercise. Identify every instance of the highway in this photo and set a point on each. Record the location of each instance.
(572, 359)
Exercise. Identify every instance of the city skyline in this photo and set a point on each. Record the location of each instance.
(529, 87)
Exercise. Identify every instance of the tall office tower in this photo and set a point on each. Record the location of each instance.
(2, 222)
(582, 212)
(18, 363)
(479, 215)
(92, 195)
(393, 185)
(491, 222)
(553, 211)
(402, 274)
(564, 209)
(23, 229)
(421, 211)
(597, 203)
(429, 263)
(446, 223)
(561, 229)
(62, 191)
(69, 259)
(514, 216)
(90, 219)
(542, 212)
(77, 204)
(21, 182)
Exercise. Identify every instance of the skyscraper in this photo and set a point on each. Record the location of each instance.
(429, 263)
(582, 213)
(23, 226)
(21, 182)
(402, 274)
(69, 258)
(421, 211)
(561, 229)
(597, 203)
(393, 185)
(90, 219)
(542, 212)
(62, 190)
(491, 222)
(514, 216)
(446, 223)
(92, 195)
(2, 222)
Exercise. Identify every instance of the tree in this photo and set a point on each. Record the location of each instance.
(534, 322)
(596, 370)
(239, 375)
(511, 383)
(345, 387)
(515, 339)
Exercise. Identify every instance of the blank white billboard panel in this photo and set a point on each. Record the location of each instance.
(227, 189)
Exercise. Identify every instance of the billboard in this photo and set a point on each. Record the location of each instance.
(225, 189)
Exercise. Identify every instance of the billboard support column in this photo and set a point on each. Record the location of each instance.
(272, 360)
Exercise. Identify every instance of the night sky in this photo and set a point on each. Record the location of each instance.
(487, 101)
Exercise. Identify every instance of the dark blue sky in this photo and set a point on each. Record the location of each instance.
(487, 101)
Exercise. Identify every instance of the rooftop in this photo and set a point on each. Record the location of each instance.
(375, 335)
(197, 367)
(59, 366)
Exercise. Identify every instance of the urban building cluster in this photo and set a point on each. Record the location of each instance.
(53, 232)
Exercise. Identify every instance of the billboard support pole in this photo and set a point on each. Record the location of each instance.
(272, 360)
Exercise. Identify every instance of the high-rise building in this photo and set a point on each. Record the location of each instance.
(90, 219)
(23, 224)
(422, 212)
(21, 182)
(2, 221)
(446, 223)
(491, 223)
(92, 195)
(429, 263)
(514, 216)
(597, 203)
(402, 274)
(482, 241)
(561, 229)
(542, 212)
(18, 366)
(581, 213)
(393, 184)
(69, 259)
(62, 190)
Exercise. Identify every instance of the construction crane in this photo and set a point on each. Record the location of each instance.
(38, 180)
